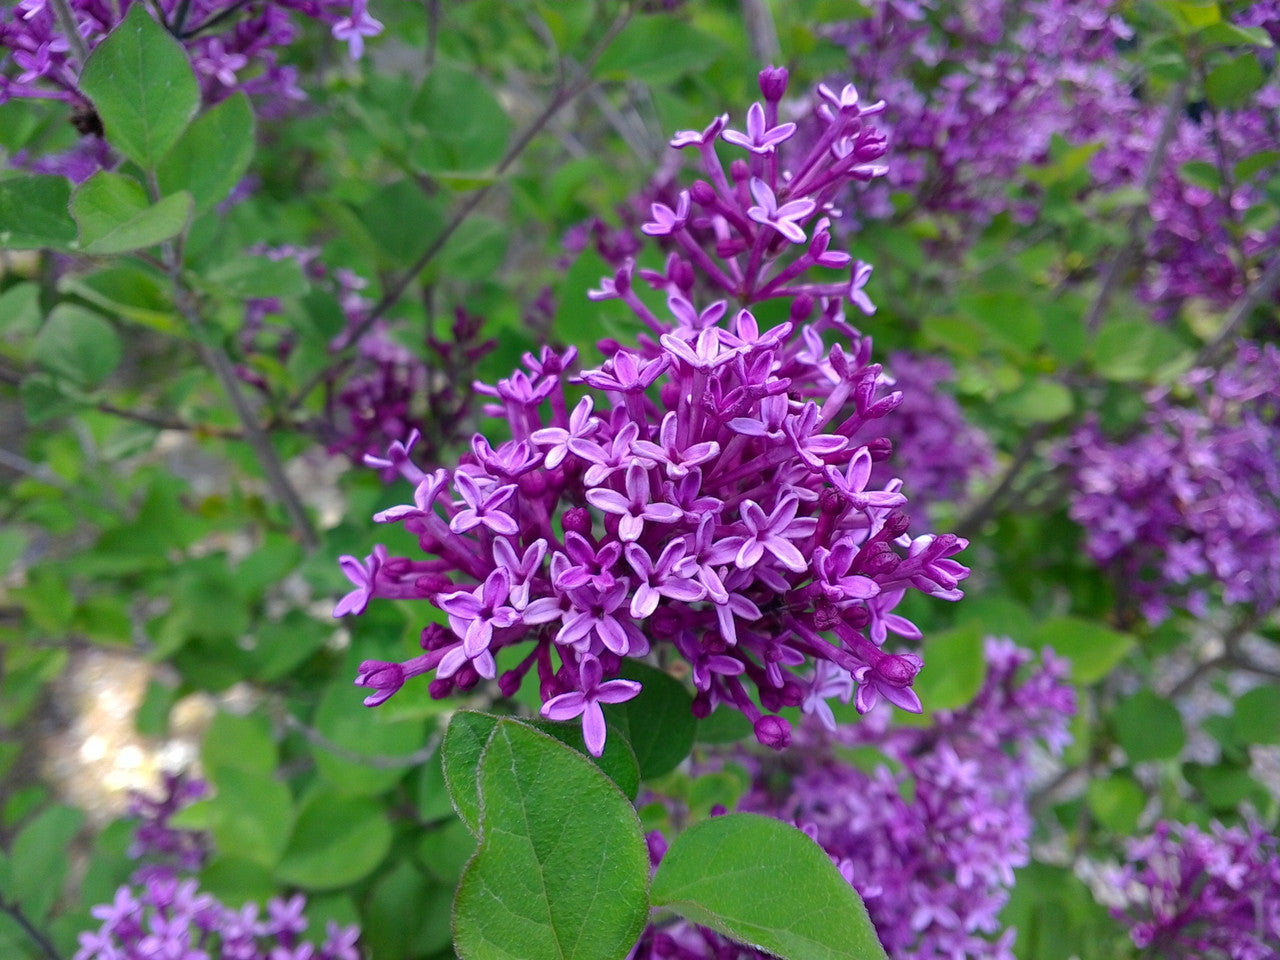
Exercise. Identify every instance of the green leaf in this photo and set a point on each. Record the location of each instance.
(402, 221)
(1008, 318)
(1257, 715)
(251, 813)
(336, 841)
(33, 213)
(1148, 727)
(1116, 802)
(1201, 173)
(143, 87)
(244, 743)
(1039, 401)
(364, 731)
(1192, 16)
(1092, 648)
(954, 667)
(114, 215)
(1232, 84)
(562, 865)
(763, 882)
(465, 128)
(38, 860)
(658, 722)
(1229, 35)
(1137, 350)
(1255, 163)
(130, 291)
(77, 345)
(252, 276)
(657, 50)
(212, 156)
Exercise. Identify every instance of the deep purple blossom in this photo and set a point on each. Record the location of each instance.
(585, 702)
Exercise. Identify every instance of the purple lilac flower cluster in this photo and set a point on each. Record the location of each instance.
(1192, 893)
(980, 89)
(705, 495)
(161, 915)
(233, 45)
(930, 838)
(1192, 501)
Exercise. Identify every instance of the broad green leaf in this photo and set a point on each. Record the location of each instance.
(38, 860)
(244, 743)
(1192, 16)
(1148, 727)
(1092, 648)
(1116, 802)
(953, 668)
(77, 345)
(764, 883)
(212, 156)
(251, 813)
(1229, 35)
(469, 731)
(402, 221)
(658, 49)
(364, 731)
(1255, 163)
(465, 128)
(1008, 317)
(1202, 174)
(1257, 715)
(336, 841)
(20, 312)
(658, 722)
(33, 213)
(1137, 350)
(237, 880)
(253, 276)
(143, 87)
(115, 217)
(1038, 401)
(562, 865)
(131, 291)
(1232, 84)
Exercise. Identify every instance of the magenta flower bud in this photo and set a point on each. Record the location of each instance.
(435, 636)
(701, 706)
(440, 687)
(773, 83)
(791, 694)
(773, 732)
(801, 307)
(509, 683)
(703, 193)
(898, 670)
(577, 520)
(881, 449)
(739, 171)
(657, 845)
(385, 678)
(429, 583)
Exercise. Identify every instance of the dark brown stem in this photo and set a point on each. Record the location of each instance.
(972, 522)
(14, 911)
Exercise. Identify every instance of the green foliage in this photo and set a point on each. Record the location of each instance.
(723, 873)
(562, 866)
(143, 88)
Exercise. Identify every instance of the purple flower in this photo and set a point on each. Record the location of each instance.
(356, 27)
(585, 702)
(475, 614)
(759, 138)
(635, 507)
(786, 219)
(363, 575)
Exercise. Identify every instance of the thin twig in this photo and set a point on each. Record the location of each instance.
(164, 422)
(971, 523)
(377, 762)
(1262, 288)
(69, 26)
(213, 21)
(41, 940)
(1230, 656)
(216, 358)
(1119, 262)
(761, 32)
(37, 471)
(562, 97)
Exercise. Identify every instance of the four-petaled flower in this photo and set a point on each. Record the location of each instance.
(760, 138)
(356, 27)
(634, 508)
(786, 219)
(585, 702)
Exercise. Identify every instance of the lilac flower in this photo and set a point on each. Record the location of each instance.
(1196, 893)
(363, 575)
(585, 702)
(1192, 502)
(786, 219)
(355, 27)
(686, 500)
(162, 916)
(759, 138)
